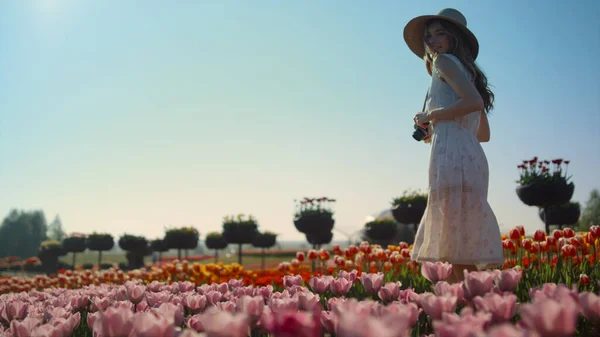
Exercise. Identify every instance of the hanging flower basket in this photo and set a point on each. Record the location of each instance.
(182, 238)
(544, 183)
(409, 208)
(383, 229)
(215, 240)
(239, 230)
(314, 215)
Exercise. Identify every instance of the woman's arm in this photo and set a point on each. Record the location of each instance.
(483, 133)
(469, 101)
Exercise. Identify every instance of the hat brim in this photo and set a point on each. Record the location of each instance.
(414, 32)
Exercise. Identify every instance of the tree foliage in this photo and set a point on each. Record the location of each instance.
(22, 232)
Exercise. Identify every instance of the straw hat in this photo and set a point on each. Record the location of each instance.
(415, 30)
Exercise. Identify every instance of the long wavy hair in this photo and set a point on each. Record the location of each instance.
(460, 48)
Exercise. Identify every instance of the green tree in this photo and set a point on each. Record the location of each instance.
(21, 233)
(591, 213)
(55, 230)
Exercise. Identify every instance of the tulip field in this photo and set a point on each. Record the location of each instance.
(547, 287)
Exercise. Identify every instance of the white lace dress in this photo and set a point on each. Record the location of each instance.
(459, 225)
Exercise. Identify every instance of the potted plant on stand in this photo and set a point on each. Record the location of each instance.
(410, 207)
(99, 242)
(314, 217)
(48, 253)
(136, 247)
(182, 238)
(216, 242)
(74, 244)
(263, 241)
(544, 183)
(381, 231)
(240, 230)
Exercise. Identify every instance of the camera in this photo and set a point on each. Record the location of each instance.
(419, 134)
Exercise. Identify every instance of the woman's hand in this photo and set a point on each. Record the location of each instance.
(422, 119)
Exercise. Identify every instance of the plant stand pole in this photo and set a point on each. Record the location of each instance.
(546, 220)
(240, 254)
(216, 256)
(263, 261)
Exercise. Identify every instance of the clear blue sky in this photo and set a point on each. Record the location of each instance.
(124, 117)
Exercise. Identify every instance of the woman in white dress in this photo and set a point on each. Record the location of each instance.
(459, 225)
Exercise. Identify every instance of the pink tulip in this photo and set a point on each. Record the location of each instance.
(251, 306)
(507, 280)
(372, 282)
(292, 280)
(478, 322)
(78, 302)
(124, 304)
(328, 321)
(155, 286)
(151, 324)
(509, 330)
(307, 300)
(502, 308)
(23, 328)
(135, 293)
(142, 306)
(218, 323)
(409, 312)
(186, 286)
(549, 317)
(477, 283)
(233, 283)
(436, 272)
(365, 307)
(47, 330)
(293, 290)
(340, 286)
(320, 284)
(462, 329)
(226, 306)
(100, 304)
(193, 322)
(408, 296)
(284, 304)
(191, 333)
(172, 312)
(265, 292)
(16, 310)
(173, 288)
(292, 324)
(114, 322)
(443, 288)
(390, 291)
(590, 304)
(350, 276)
(554, 291)
(434, 305)
(213, 296)
(222, 288)
(352, 324)
(120, 294)
(195, 303)
(203, 289)
(92, 318)
(56, 312)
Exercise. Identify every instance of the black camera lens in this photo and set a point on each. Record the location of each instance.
(419, 134)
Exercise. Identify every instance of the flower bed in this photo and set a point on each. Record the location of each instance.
(547, 287)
